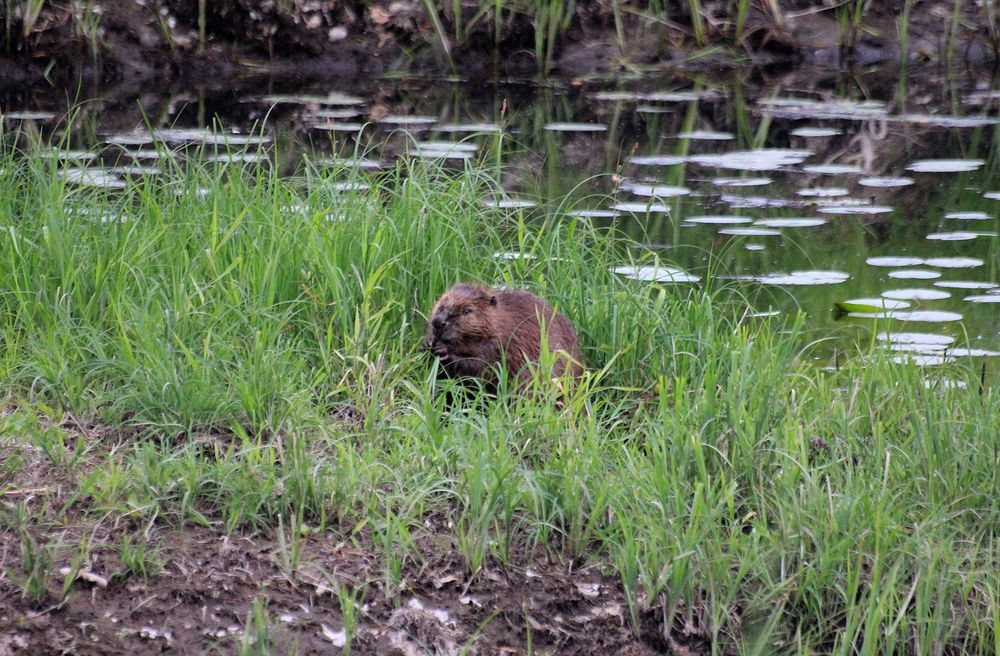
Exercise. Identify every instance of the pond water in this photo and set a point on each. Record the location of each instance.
(870, 201)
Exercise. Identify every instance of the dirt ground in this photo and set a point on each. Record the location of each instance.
(268, 592)
(202, 601)
(164, 40)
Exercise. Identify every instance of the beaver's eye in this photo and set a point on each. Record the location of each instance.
(467, 311)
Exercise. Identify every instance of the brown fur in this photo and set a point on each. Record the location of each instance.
(473, 329)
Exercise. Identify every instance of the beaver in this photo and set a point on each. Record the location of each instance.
(473, 329)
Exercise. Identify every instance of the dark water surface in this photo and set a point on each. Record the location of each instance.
(868, 200)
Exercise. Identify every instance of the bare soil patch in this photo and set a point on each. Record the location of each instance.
(203, 601)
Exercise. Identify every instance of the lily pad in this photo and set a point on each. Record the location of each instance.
(750, 232)
(641, 208)
(741, 182)
(510, 203)
(576, 127)
(822, 192)
(914, 274)
(816, 132)
(763, 159)
(804, 278)
(594, 214)
(916, 294)
(965, 284)
(885, 182)
(945, 165)
(968, 216)
(718, 220)
(657, 160)
(654, 190)
(833, 169)
(928, 316)
(958, 235)
(706, 135)
(942, 341)
(655, 274)
(855, 209)
(894, 261)
(954, 262)
(803, 222)
(870, 305)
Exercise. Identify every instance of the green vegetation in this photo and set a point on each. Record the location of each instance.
(251, 344)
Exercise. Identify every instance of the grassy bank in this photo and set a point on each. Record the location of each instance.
(231, 352)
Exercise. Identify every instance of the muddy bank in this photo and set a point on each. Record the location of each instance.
(115, 41)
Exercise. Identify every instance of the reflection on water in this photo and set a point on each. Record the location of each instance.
(865, 184)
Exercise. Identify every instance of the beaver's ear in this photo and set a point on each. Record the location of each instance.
(493, 301)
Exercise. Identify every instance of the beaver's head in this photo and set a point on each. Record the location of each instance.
(463, 313)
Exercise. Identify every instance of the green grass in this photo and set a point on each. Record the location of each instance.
(258, 367)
